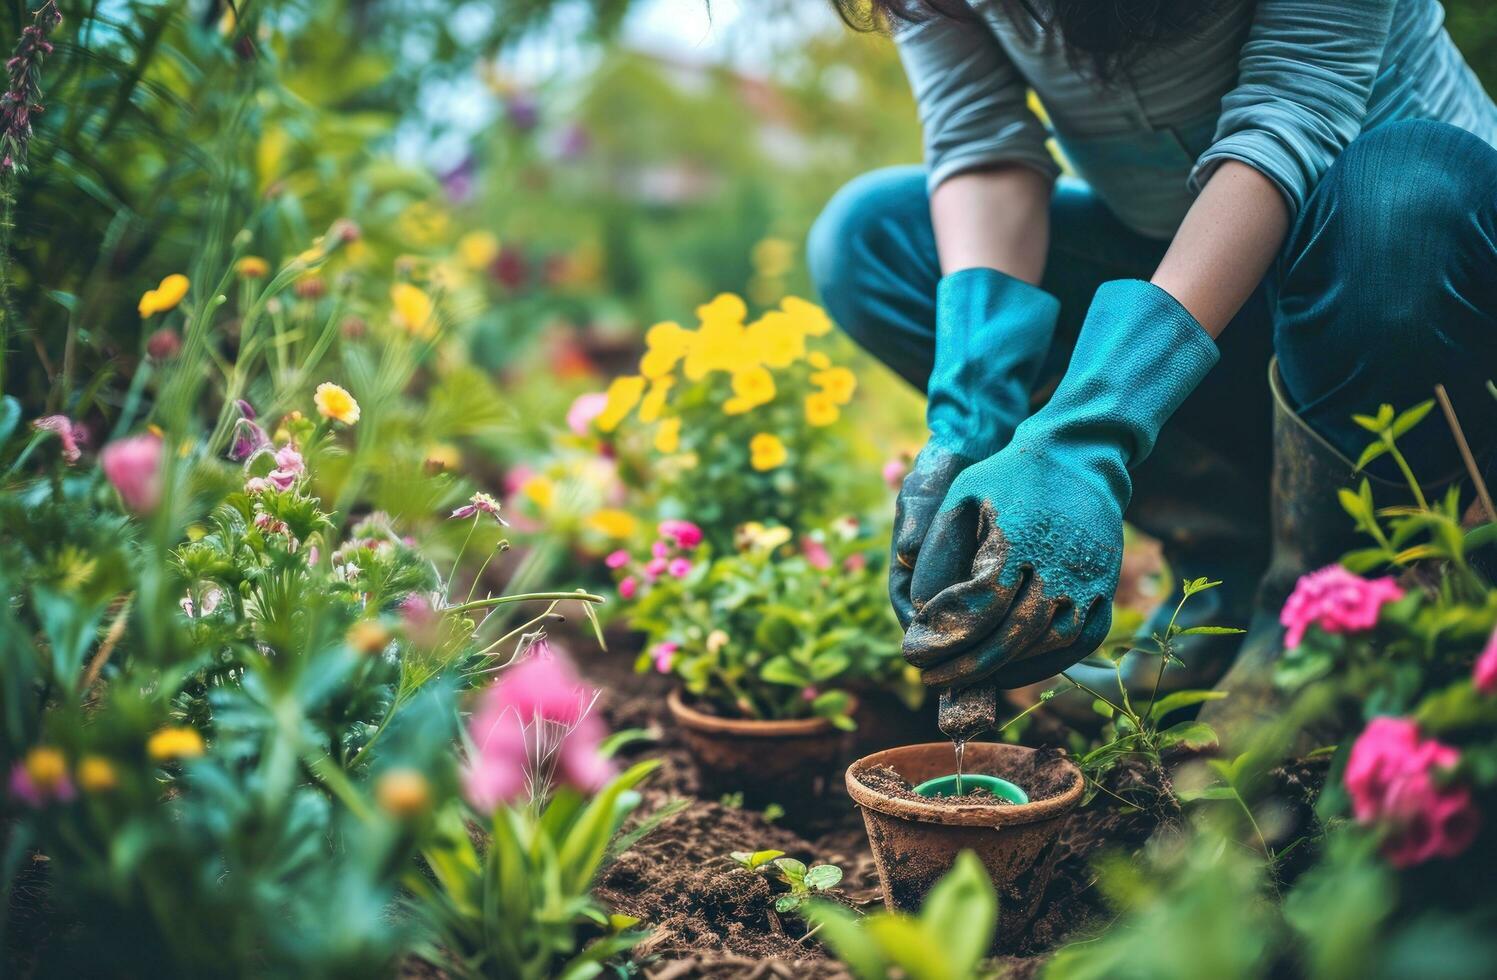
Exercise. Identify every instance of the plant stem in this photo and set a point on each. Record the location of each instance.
(1408, 474)
(1115, 707)
(500, 600)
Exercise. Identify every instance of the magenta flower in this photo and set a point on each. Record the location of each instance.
(809, 693)
(1336, 601)
(41, 778)
(67, 431)
(133, 466)
(685, 534)
(249, 437)
(679, 567)
(289, 467)
(893, 473)
(532, 724)
(628, 588)
(660, 549)
(1391, 777)
(655, 568)
(663, 655)
(479, 503)
(1485, 674)
(816, 554)
(617, 559)
(855, 562)
(584, 409)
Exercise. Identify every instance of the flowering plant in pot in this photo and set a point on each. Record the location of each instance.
(768, 642)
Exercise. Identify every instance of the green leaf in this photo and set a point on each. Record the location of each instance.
(843, 931)
(1410, 418)
(1206, 793)
(753, 860)
(1366, 559)
(783, 670)
(776, 631)
(822, 877)
(792, 870)
(1211, 631)
(1191, 586)
(1182, 699)
(1194, 736)
(787, 903)
(1354, 505)
(1480, 537)
(825, 666)
(1372, 452)
(961, 911)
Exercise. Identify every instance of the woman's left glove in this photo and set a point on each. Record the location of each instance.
(1018, 569)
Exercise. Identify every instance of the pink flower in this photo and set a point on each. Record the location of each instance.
(809, 693)
(816, 554)
(533, 720)
(617, 559)
(68, 433)
(664, 654)
(855, 562)
(1485, 674)
(421, 619)
(1390, 776)
(289, 466)
(679, 567)
(686, 534)
(628, 588)
(479, 503)
(1336, 601)
(894, 471)
(133, 466)
(584, 409)
(660, 549)
(655, 568)
(41, 778)
(249, 438)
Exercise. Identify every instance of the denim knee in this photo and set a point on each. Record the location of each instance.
(867, 238)
(1388, 283)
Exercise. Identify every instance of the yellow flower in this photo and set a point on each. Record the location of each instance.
(165, 296)
(96, 774)
(773, 257)
(252, 267)
(668, 436)
(334, 402)
(413, 309)
(623, 394)
(423, 223)
(839, 383)
(777, 338)
(47, 767)
(367, 636)
(821, 409)
(716, 640)
(539, 490)
(666, 343)
(766, 452)
(477, 249)
(811, 318)
(175, 743)
(754, 535)
(654, 401)
(719, 344)
(818, 360)
(755, 385)
(613, 523)
(402, 792)
(443, 456)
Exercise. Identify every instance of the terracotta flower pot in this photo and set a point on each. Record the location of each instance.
(784, 762)
(916, 841)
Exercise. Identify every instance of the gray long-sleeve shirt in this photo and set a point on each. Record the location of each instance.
(1281, 85)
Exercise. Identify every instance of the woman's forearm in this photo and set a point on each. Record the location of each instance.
(995, 219)
(1225, 245)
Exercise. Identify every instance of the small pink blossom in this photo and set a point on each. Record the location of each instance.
(628, 588)
(535, 719)
(68, 432)
(809, 693)
(584, 409)
(133, 466)
(655, 568)
(617, 559)
(816, 554)
(663, 655)
(479, 503)
(257, 484)
(1485, 674)
(893, 473)
(1336, 601)
(660, 549)
(1391, 777)
(679, 567)
(418, 614)
(289, 467)
(41, 778)
(855, 562)
(686, 534)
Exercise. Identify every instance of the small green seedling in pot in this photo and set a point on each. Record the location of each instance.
(754, 860)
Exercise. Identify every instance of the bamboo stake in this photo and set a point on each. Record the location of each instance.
(1460, 440)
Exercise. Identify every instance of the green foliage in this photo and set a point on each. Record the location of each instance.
(948, 940)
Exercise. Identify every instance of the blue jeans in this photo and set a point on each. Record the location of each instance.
(1386, 285)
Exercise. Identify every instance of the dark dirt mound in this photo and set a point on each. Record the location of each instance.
(890, 783)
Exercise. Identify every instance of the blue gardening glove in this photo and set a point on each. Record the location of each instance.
(992, 334)
(1016, 577)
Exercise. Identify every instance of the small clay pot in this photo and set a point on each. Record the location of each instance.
(916, 841)
(784, 762)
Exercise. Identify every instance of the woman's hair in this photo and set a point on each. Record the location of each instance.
(1100, 36)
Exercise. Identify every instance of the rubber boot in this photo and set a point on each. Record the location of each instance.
(1210, 513)
(1310, 531)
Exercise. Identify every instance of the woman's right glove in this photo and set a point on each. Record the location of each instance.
(992, 334)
